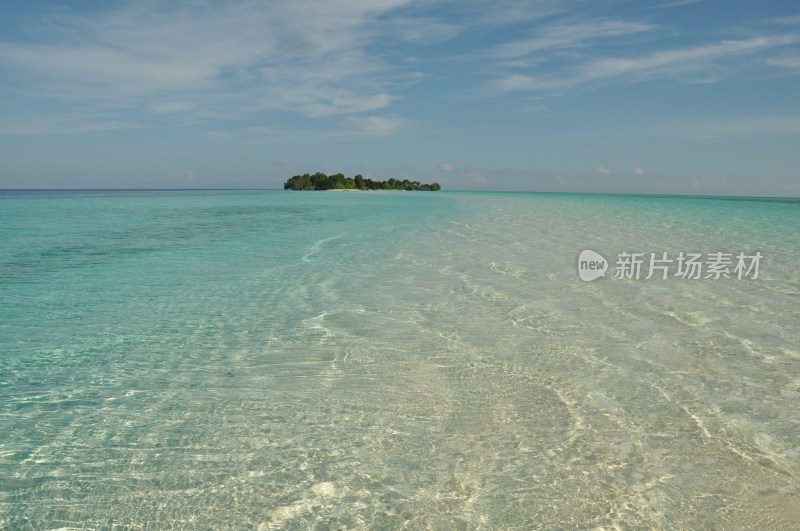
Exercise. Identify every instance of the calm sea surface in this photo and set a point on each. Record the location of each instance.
(271, 359)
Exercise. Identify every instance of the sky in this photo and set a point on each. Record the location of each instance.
(665, 96)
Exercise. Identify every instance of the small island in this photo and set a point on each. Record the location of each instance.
(320, 181)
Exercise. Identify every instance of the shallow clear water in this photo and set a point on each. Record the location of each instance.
(274, 359)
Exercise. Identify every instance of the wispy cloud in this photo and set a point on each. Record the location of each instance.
(735, 126)
(213, 59)
(373, 125)
(348, 63)
(602, 170)
(228, 59)
(567, 36)
(676, 3)
(674, 64)
(681, 60)
(69, 123)
(785, 61)
(423, 30)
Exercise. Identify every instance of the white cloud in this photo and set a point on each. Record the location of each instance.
(602, 170)
(159, 62)
(500, 13)
(345, 103)
(447, 167)
(566, 36)
(374, 125)
(675, 64)
(425, 30)
(221, 60)
(232, 59)
(785, 61)
(639, 172)
(680, 60)
(676, 3)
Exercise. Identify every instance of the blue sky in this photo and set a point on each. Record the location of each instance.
(671, 96)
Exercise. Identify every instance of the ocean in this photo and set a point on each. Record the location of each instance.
(295, 360)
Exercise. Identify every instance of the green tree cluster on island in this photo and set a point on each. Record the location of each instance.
(320, 181)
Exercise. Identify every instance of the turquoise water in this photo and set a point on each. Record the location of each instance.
(271, 359)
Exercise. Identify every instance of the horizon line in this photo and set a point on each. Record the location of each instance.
(634, 194)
